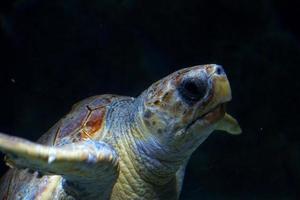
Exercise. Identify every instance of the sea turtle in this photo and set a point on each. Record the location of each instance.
(116, 147)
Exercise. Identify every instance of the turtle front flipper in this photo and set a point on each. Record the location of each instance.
(89, 168)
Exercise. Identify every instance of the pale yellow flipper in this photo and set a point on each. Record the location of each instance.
(229, 124)
(90, 165)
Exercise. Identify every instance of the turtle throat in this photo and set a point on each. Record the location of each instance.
(154, 161)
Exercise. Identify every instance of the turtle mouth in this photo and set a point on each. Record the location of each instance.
(210, 116)
(219, 94)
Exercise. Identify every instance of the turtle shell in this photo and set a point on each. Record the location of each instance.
(85, 121)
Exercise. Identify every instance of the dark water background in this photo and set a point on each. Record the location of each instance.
(57, 52)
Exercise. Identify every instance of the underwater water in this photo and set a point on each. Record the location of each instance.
(56, 53)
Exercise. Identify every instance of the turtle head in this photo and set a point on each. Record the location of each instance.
(182, 109)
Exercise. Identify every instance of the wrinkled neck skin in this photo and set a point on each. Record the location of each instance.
(148, 166)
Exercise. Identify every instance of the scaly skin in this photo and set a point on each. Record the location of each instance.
(146, 169)
(122, 148)
(142, 175)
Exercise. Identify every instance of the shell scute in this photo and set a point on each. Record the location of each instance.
(85, 121)
(73, 122)
(93, 123)
(100, 102)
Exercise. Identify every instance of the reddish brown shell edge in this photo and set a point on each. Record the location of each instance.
(84, 121)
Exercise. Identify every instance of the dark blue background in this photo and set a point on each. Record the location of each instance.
(57, 52)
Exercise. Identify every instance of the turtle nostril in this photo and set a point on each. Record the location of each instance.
(219, 70)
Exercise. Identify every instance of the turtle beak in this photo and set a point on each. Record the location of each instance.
(220, 91)
(221, 87)
(222, 94)
(212, 109)
(219, 94)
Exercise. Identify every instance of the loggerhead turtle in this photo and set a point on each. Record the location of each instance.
(116, 147)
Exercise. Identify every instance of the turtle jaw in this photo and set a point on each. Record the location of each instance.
(209, 117)
(219, 95)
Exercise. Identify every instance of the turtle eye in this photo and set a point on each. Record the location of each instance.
(192, 90)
